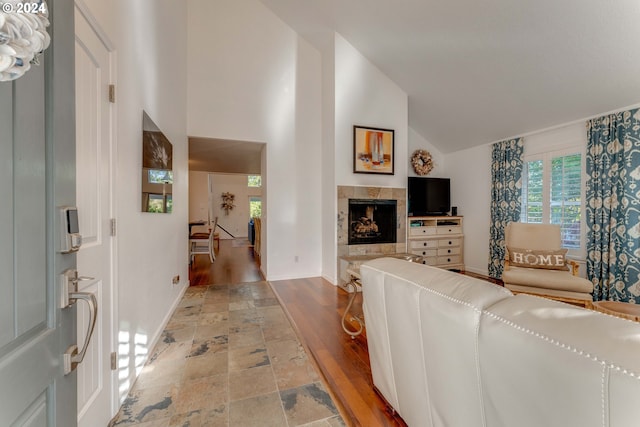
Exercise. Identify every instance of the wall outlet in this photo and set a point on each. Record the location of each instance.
(175, 280)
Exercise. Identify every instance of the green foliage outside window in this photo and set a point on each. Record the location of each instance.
(562, 201)
(566, 202)
(533, 188)
(255, 207)
(160, 176)
(254, 181)
(158, 205)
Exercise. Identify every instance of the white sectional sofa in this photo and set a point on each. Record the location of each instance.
(450, 350)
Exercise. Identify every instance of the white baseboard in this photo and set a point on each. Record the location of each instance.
(154, 340)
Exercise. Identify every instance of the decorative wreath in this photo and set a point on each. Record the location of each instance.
(422, 162)
(23, 36)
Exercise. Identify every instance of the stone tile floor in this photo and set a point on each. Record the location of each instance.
(228, 357)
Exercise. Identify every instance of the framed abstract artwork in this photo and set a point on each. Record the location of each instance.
(373, 150)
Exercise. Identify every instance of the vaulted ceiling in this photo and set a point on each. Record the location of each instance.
(480, 71)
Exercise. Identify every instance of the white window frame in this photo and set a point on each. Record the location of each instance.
(546, 157)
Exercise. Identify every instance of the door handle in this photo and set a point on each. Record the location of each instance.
(73, 356)
(69, 279)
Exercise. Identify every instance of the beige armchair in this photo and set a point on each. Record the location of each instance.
(535, 264)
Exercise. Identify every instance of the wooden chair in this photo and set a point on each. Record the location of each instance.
(204, 243)
(562, 285)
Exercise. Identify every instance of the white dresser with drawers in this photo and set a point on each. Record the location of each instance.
(438, 239)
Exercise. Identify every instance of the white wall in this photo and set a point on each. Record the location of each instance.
(417, 142)
(198, 196)
(251, 78)
(307, 228)
(150, 41)
(364, 96)
(470, 172)
(329, 196)
(236, 222)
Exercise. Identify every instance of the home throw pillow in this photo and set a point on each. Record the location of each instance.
(532, 258)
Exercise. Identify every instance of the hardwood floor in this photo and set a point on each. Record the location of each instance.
(235, 263)
(315, 308)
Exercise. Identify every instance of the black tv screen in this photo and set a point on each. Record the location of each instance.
(428, 196)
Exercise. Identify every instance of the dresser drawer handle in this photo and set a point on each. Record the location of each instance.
(425, 243)
(450, 242)
(448, 251)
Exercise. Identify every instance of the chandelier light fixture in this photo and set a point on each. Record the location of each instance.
(23, 36)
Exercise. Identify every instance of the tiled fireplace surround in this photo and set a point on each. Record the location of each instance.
(375, 193)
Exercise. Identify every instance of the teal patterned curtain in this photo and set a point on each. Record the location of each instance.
(613, 195)
(506, 197)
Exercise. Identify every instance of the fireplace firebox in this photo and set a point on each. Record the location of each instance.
(372, 221)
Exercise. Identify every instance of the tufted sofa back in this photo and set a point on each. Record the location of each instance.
(450, 350)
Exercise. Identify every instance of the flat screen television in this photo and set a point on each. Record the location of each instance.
(428, 196)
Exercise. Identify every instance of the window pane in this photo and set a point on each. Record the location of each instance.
(565, 197)
(160, 176)
(159, 203)
(532, 192)
(534, 213)
(254, 181)
(255, 207)
(563, 202)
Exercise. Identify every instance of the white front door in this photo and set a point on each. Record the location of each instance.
(37, 176)
(97, 401)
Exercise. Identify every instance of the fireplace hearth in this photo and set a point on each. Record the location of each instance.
(369, 194)
(372, 221)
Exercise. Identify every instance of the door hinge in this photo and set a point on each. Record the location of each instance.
(114, 361)
(112, 94)
(113, 226)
